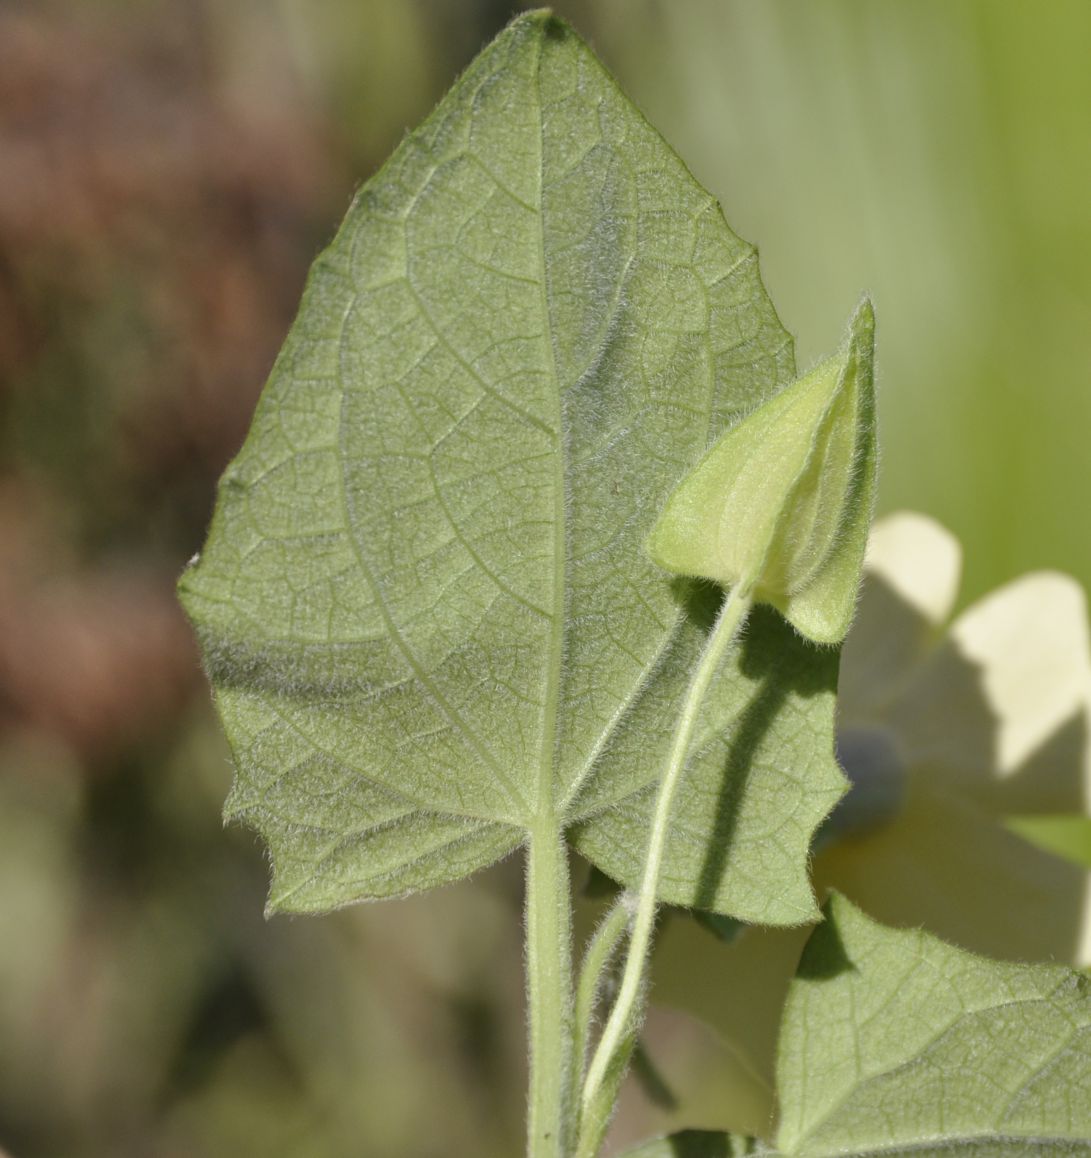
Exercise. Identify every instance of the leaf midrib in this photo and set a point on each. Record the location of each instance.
(564, 814)
(545, 818)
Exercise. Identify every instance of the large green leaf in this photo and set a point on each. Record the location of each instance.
(424, 603)
(896, 1043)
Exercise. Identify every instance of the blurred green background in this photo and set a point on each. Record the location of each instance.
(168, 169)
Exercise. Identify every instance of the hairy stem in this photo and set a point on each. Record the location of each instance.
(618, 1034)
(549, 992)
(595, 962)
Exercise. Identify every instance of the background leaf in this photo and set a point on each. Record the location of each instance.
(894, 1042)
(424, 604)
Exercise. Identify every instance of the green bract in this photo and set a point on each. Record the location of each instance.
(783, 501)
(424, 602)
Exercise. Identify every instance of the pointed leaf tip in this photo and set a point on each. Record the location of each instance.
(782, 502)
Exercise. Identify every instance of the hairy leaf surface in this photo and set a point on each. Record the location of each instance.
(424, 603)
(896, 1043)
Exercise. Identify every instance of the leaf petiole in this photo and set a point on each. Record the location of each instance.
(549, 992)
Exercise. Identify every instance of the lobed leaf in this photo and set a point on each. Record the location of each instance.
(424, 603)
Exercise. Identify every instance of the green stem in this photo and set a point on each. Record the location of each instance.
(620, 1026)
(549, 991)
(598, 956)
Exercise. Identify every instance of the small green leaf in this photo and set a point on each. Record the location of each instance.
(424, 603)
(896, 1043)
(783, 500)
(696, 1144)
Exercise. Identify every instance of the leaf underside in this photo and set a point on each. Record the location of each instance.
(424, 604)
(896, 1043)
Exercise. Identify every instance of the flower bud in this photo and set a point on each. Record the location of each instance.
(781, 504)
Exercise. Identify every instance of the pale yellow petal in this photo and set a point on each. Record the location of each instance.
(998, 712)
(919, 559)
(910, 581)
(943, 726)
(946, 866)
(1030, 641)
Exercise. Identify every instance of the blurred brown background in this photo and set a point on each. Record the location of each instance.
(168, 170)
